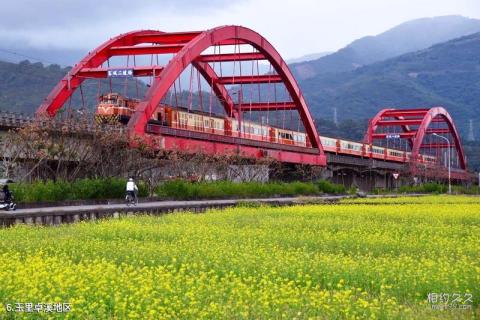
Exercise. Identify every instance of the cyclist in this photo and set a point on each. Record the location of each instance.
(7, 194)
(132, 189)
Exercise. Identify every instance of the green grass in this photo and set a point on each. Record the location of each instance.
(434, 188)
(345, 261)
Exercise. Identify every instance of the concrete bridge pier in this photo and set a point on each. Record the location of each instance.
(365, 179)
(364, 173)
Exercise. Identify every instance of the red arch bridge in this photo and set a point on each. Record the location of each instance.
(227, 90)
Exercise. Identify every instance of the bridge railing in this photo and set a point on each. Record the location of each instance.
(11, 120)
(14, 120)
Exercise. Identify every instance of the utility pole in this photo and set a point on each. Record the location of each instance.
(335, 119)
(471, 136)
(449, 155)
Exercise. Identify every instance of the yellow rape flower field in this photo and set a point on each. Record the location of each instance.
(379, 259)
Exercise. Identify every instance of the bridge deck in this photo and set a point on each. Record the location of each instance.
(11, 120)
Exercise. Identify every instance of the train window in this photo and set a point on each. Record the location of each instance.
(182, 119)
(206, 124)
(198, 123)
(352, 147)
(328, 142)
(285, 135)
(299, 137)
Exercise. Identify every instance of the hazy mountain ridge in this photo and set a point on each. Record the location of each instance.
(309, 57)
(407, 37)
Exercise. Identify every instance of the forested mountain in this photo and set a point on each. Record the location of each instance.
(23, 86)
(446, 74)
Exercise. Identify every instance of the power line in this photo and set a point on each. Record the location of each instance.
(30, 57)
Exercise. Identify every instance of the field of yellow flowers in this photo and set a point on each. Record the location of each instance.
(379, 259)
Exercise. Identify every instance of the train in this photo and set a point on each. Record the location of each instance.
(115, 106)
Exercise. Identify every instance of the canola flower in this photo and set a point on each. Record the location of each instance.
(353, 260)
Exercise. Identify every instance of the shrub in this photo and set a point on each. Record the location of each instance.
(183, 190)
(329, 187)
(114, 188)
(430, 187)
(84, 189)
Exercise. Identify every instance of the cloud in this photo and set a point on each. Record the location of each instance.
(294, 27)
(27, 14)
(47, 24)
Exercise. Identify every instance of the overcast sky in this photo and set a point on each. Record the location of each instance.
(294, 27)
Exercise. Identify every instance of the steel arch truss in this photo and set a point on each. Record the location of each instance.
(415, 125)
(188, 48)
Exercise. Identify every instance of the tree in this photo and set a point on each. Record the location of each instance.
(9, 166)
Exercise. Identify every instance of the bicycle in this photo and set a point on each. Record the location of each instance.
(131, 199)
